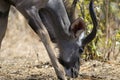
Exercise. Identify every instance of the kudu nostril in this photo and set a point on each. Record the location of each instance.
(81, 50)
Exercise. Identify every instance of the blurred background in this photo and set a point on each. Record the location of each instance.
(106, 45)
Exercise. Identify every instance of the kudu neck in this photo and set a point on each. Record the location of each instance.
(51, 20)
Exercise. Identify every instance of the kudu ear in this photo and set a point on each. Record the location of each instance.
(77, 27)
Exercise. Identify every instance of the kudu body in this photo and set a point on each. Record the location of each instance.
(42, 14)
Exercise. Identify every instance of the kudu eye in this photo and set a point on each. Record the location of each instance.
(81, 50)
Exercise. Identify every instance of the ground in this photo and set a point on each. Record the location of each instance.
(23, 57)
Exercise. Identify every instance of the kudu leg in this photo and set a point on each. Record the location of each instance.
(4, 10)
(3, 25)
(36, 24)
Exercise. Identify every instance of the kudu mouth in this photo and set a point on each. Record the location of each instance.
(73, 73)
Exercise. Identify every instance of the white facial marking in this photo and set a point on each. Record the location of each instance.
(81, 36)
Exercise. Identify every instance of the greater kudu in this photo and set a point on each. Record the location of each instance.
(51, 13)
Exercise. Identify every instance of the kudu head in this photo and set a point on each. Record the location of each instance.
(71, 39)
(72, 47)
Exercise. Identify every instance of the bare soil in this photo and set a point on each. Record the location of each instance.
(23, 57)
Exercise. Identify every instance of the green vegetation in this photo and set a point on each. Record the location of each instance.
(106, 45)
